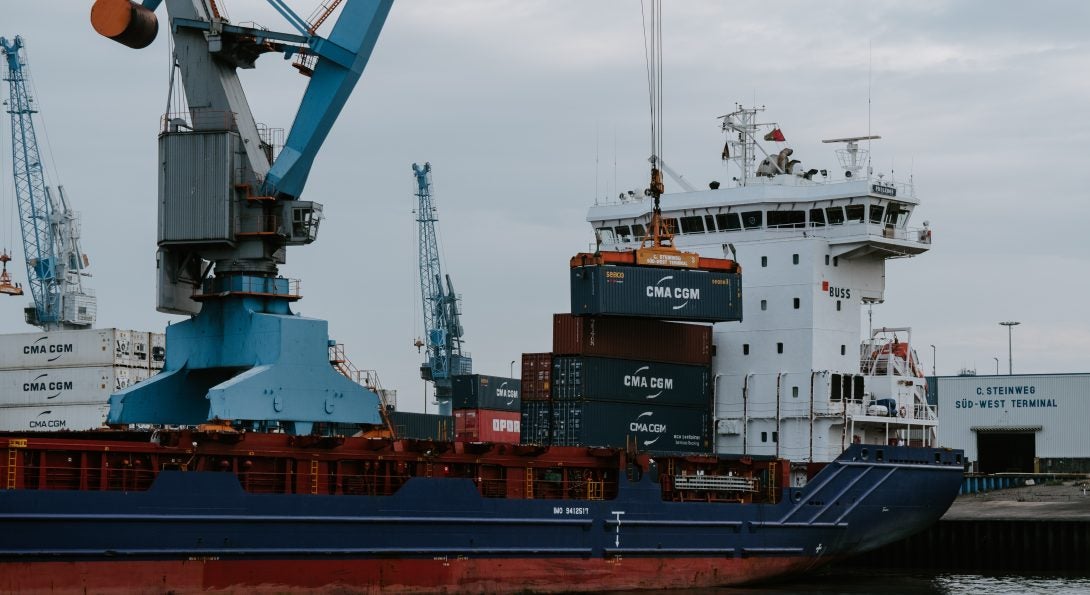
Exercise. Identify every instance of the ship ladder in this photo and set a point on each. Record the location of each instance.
(594, 490)
(772, 465)
(313, 476)
(529, 482)
(13, 459)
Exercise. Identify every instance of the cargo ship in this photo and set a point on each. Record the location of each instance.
(633, 496)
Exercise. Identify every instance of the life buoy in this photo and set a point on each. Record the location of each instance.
(902, 411)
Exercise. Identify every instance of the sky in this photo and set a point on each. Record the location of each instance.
(530, 110)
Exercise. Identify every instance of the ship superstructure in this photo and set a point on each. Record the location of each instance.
(792, 378)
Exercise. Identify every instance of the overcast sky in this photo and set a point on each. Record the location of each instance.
(524, 107)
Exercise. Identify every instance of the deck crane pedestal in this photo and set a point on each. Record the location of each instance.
(50, 228)
(442, 320)
(229, 206)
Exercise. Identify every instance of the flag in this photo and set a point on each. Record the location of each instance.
(726, 150)
(776, 135)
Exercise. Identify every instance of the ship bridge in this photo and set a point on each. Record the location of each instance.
(858, 218)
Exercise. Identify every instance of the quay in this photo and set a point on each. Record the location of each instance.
(1041, 526)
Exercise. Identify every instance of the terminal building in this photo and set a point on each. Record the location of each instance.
(1026, 423)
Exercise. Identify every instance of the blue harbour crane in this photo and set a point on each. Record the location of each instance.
(230, 206)
(50, 229)
(442, 321)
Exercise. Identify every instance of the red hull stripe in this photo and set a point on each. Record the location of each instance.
(502, 575)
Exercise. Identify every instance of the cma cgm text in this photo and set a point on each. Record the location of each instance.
(688, 293)
(56, 348)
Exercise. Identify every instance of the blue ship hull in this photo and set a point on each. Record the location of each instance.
(441, 533)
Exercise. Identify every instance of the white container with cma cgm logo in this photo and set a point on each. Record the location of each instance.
(51, 418)
(65, 386)
(64, 349)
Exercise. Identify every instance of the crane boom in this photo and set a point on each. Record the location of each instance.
(50, 229)
(442, 320)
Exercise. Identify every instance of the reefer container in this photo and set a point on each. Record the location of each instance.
(65, 349)
(422, 426)
(49, 418)
(487, 425)
(632, 338)
(654, 292)
(633, 381)
(650, 428)
(478, 391)
(63, 386)
(537, 373)
(537, 420)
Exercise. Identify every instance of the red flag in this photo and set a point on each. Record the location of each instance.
(776, 135)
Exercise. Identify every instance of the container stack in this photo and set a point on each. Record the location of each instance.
(486, 408)
(422, 426)
(62, 380)
(621, 375)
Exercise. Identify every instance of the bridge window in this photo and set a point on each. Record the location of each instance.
(624, 233)
(694, 224)
(896, 214)
(671, 224)
(785, 219)
(836, 215)
(638, 231)
(753, 219)
(855, 213)
(606, 233)
(728, 222)
(876, 213)
(709, 222)
(817, 218)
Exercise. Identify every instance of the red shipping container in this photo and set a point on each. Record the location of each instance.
(537, 371)
(632, 338)
(487, 425)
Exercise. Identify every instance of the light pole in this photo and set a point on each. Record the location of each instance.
(511, 369)
(934, 366)
(1010, 324)
(996, 365)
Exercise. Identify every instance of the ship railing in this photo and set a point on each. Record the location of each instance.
(925, 411)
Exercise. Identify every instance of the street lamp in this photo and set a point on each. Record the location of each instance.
(934, 366)
(1010, 324)
(996, 365)
(511, 369)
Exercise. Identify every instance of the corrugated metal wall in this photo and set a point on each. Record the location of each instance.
(196, 192)
(1058, 403)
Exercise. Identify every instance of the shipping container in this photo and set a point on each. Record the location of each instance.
(68, 349)
(51, 418)
(53, 386)
(632, 338)
(650, 428)
(487, 425)
(537, 422)
(654, 292)
(478, 391)
(632, 381)
(423, 426)
(537, 373)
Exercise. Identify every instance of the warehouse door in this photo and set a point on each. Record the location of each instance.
(1001, 452)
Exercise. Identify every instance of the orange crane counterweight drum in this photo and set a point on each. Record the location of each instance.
(125, 22)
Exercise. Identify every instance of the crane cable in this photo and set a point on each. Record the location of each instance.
(652, 44)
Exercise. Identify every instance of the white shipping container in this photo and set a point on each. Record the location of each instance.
(59, 349)
(157, 350)
(64, 386)
(53, 417)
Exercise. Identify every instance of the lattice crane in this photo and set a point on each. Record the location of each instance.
(442, 320)
(50, 228)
